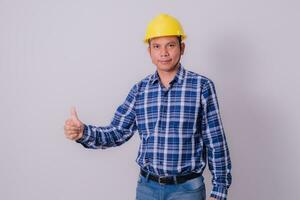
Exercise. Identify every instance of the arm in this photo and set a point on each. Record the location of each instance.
(219, 162)
(120, 130)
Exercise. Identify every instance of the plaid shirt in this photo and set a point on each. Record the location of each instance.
(179, 128)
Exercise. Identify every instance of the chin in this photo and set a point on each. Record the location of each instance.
(166, 68)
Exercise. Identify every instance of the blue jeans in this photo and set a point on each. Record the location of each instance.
(193, 189)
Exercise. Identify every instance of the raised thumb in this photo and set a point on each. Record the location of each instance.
(74, 115)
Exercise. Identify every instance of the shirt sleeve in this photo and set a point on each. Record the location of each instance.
(219, 162)
(120, 130)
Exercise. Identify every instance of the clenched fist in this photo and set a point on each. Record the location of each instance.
(73, 126)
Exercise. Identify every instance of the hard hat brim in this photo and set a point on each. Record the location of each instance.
(146, 40)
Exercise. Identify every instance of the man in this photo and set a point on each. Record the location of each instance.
(177, 117)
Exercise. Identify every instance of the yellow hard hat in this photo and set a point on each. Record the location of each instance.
(164, 25)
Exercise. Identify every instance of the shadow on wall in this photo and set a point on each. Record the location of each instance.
(253, 117)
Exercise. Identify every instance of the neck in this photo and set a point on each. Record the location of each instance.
(167, 76)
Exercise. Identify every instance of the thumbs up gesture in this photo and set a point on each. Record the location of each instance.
(73, 126)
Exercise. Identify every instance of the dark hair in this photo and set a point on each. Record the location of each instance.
(179, 40)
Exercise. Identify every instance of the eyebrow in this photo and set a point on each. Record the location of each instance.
(171, 42)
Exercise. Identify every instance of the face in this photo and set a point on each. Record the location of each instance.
(165, 52)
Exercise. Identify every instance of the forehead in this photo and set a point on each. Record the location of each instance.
(164, 39)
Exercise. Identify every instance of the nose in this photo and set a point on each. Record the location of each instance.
(164, 52)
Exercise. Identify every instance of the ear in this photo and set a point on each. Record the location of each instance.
(182, 48)
(149, 50)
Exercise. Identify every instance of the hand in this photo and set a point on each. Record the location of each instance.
(211, 198)
(73, 126)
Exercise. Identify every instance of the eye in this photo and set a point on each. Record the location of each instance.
(155, 46)
(171, 45)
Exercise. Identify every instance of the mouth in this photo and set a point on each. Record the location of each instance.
(165, 61)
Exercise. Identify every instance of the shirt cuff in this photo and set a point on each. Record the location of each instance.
(84, 135)
(219, 192)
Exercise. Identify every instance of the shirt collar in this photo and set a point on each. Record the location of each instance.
(178, 77)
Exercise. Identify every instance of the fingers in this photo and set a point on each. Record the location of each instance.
(70, 122)
(74, 136)
(77, 137)
(72, 128)
(72, 131)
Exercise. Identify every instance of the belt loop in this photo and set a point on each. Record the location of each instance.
(175, 179)
(147, 176)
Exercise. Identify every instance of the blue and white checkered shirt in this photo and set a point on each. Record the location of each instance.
(179, 127)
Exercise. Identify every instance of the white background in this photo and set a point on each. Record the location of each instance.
(61, 53)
